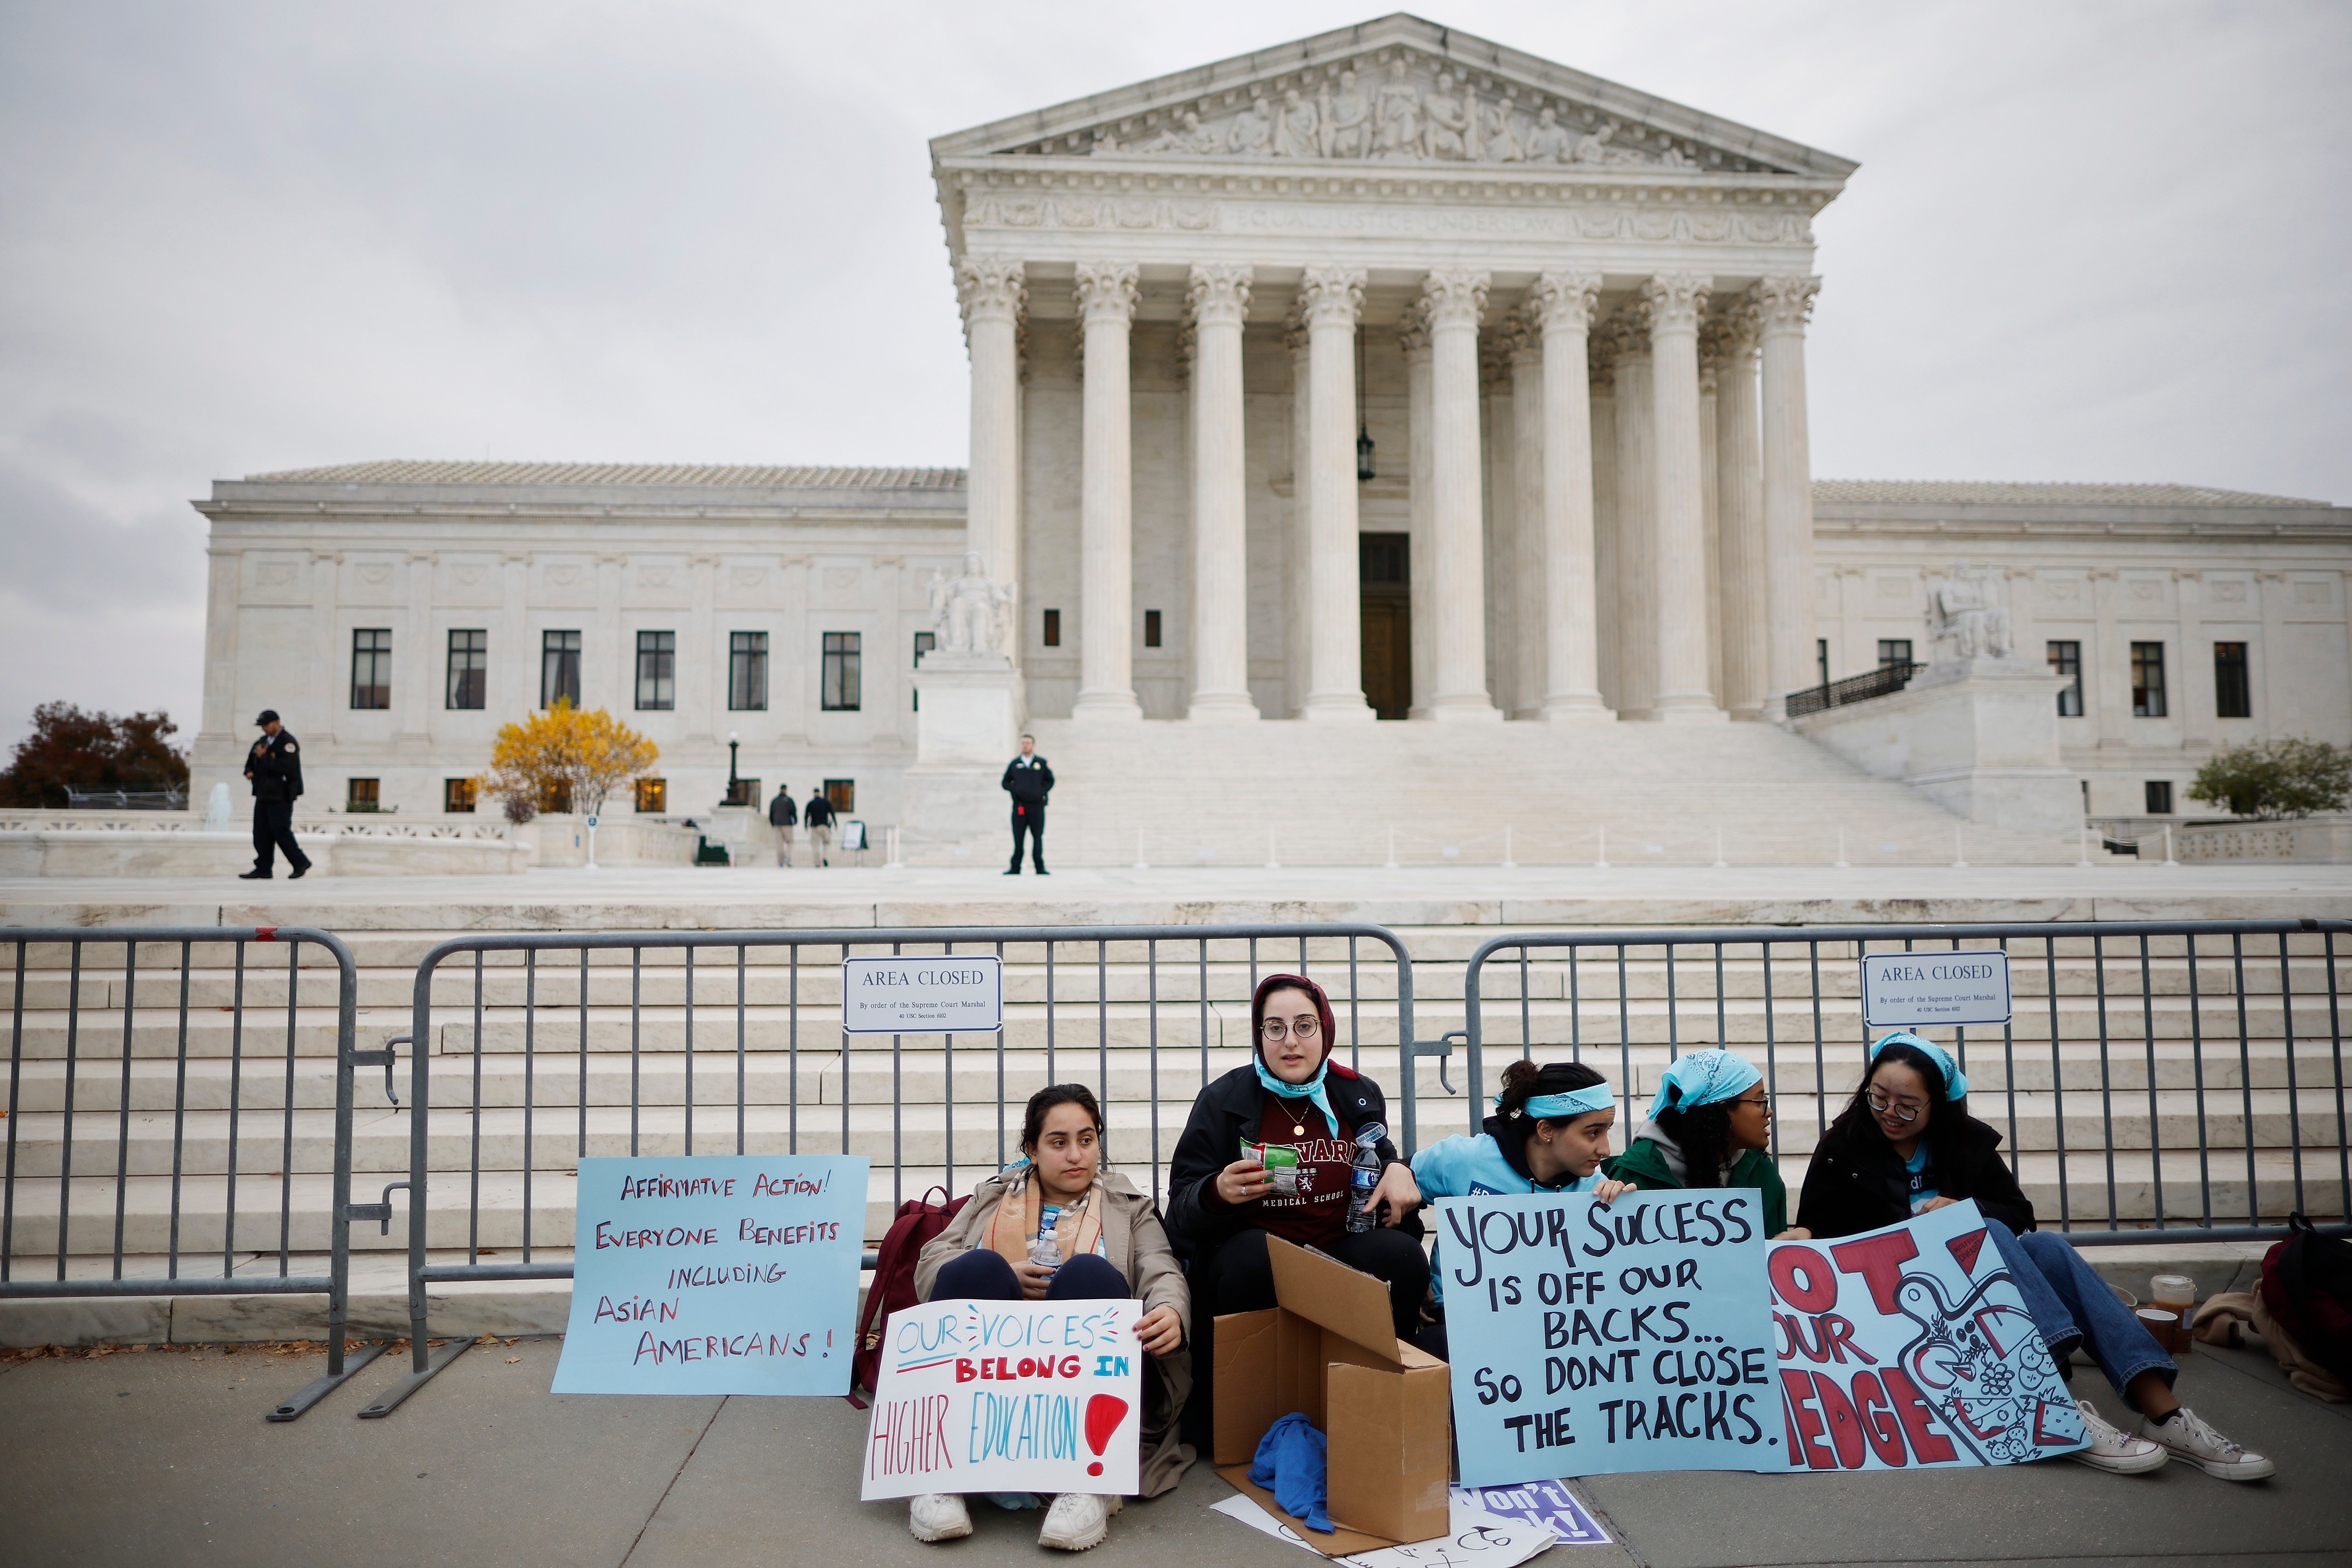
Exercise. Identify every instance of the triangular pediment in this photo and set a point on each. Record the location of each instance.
(1399, 90)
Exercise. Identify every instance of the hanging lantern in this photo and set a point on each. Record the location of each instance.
(1363, 453)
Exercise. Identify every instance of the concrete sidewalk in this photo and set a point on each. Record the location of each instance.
(162, 1457)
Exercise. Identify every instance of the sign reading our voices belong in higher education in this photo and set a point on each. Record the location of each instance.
(953, 995)
(1906, 989)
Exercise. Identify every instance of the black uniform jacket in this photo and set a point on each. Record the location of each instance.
(1857, 1182)
(1030, 784)
(818, 813)
(781, 813)
(277, 772)
(1227, 1113)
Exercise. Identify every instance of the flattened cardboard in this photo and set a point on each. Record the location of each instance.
(1341, 1543)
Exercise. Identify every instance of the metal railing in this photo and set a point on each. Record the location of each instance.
(1880, 682)
(128, 1083)
(570, 1046)
(2130, 1029)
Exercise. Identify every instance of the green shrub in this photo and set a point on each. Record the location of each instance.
(2270, 779)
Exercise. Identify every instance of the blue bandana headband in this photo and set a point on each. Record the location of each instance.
(1312, 1089)
(1558, 1107)
(1703, 1078)
(1956, 1082)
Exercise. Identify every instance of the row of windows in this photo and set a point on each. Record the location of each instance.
(2233, 696)
(656, 676)
(458, 795)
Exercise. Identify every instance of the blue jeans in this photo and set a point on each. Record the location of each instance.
(981, 1275)
(2073, 1306)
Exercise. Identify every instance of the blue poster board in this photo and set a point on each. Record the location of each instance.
(716, 1274)
(1591, 1338)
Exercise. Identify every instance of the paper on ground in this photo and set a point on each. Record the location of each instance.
(1548, 1503)
(1472, 1536)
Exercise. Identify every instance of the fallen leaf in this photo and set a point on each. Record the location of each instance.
(512, 1360)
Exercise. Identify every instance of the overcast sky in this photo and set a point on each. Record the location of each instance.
(2088, 242)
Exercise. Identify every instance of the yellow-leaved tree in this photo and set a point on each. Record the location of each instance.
(564, 759)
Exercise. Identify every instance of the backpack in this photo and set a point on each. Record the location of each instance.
(918, 1220)
(2307, 1286)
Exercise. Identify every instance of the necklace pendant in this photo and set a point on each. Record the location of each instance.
(1297, 1131)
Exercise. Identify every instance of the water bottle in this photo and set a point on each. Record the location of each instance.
(1045, 1248)
(1364, 1176)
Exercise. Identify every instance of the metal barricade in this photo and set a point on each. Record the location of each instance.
(571, 1045)
(2123, 1035)
(191, 1102)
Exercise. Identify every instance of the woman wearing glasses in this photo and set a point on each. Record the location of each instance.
(1907, 1145)
(1710, 1125)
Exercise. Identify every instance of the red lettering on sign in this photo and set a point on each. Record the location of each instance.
(1879, 1261)
(1803, 1279)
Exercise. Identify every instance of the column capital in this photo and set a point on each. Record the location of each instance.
(1219, 296)
(1519, 336)
(991, 290)
(1108, 291)
(1564, 302)
(1293, 332)
(1784, 304)
(1453, 297)
(1331, 296)
(1413, 329)
(1674, 300)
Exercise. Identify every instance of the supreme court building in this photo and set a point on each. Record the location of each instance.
(1388, 374)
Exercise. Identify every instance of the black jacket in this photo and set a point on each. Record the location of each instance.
(1030, 784)
(819, 813)
(277, 772)
(780, 813)
(1226, 1113)
(1857, 1182)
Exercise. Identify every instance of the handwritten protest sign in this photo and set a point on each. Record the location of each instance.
(719, 1274)
(1910, 1347)
(1023, 1396)
(1594, 1337)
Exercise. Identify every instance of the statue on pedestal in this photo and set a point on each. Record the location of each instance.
(973, 613)
(1965, 619)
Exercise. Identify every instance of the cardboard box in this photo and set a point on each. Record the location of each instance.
(1330, 1350)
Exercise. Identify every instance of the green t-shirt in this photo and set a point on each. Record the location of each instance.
(1643, 1165)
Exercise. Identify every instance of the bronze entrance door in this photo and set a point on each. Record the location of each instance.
(1384, 581)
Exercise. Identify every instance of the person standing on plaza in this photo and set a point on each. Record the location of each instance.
(275, 766)
(781, 817)
(818, 814)
(1028, 780)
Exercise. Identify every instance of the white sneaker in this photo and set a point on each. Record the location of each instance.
(938, 1516)
(1078, 1520)
(2113, 1449)
(2188, 1435)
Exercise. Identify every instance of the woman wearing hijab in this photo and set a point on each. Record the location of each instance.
(1710, 1125)
(1907, 1145)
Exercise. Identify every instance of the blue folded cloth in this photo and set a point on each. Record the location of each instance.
(1290, 1464)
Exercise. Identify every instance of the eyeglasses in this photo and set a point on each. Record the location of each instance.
(1763, 1099)
(1904, 1111)
(1276, 1029)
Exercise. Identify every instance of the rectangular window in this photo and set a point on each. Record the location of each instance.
(555, 795)
(843, 684)
(364, 794)
(924, 643)
(2148, 680)
(559, 668)
(1152, 628)
(1894, 651)
(2159, 797)
(457, 796)
(469, 667)
(747, 671)
(652, 795)
(743, 791)
(2233, 694)
(371, 668)
(656, 671)
(1822, 657)
(2066, 663)
(1052, 629)
(841, 794)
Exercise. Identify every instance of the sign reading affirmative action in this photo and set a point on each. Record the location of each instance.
(922, 995)
(1911, 988)
(1591, 1338)
(1018, 1396)
(720, 1274)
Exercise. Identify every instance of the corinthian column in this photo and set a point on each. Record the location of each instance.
(1562, 307)
(1739, 506)
(1454, 299)
(1219, 299)
(994, 295)
(1107, 298)
(1328, 300)
(1785, 304)
(1679, 552)
(1524, 562)
(1413, 338)
(1637, 492)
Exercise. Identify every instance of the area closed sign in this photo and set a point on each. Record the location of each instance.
(922, 995)
(1906, 988)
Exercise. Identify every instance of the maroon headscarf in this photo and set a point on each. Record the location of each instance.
(1330, 1028)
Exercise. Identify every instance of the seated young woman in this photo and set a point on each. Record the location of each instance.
(1224, 1202)
(1907, 1145)
(1710, 1125)
(1111, 1246)
(1550, 1133)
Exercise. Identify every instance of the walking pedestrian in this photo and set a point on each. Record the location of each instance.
(1028, 780)
(275, 766)
(781, 817)
(818, 814)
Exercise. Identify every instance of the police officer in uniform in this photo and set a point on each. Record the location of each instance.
(1028, 781)
(275, 766)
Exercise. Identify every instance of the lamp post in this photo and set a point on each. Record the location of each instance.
(734, 784)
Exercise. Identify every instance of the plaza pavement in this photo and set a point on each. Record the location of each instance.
(162, 1458)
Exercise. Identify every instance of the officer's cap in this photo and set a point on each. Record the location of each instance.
(268, 716)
